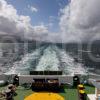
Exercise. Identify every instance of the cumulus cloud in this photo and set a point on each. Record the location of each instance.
(19, 25)
(32, 8)
(80, 20)
(11, 23)
(40, 28)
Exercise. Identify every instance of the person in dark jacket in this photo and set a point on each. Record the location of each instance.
(16, 80)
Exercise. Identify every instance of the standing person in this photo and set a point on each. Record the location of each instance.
(16, 80)
(76, 81)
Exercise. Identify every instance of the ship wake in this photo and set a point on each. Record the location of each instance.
(50, 58)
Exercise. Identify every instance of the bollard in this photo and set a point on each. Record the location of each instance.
(82, 95)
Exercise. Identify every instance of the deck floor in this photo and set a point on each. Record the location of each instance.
(67, 93)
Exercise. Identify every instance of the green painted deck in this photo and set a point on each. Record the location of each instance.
(67, 92)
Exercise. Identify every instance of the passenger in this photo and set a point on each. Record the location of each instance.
(13, 89)
(76, 81)
(16, 80)
(9, 95)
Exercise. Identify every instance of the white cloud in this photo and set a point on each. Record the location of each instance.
(19, 25)
(40, 29)
(80, 20)
(32, 8)
(11, 23)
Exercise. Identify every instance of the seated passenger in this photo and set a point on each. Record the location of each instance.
(13, 89)
(9, 95)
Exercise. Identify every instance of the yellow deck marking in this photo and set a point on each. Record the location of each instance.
(44, 96)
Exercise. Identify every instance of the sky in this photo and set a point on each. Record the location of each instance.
(40, 11)
(51, 20)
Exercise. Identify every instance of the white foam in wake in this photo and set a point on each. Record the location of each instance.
(25, 64)
(68, 64)
(52, 58)
(49, 60)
